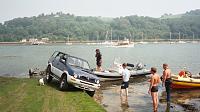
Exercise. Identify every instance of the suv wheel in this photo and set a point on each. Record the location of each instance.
(48, 74)
(90, 93)
(63, 83)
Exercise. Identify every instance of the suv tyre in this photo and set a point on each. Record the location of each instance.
(63, 83)
(90, 93)
(48, 74)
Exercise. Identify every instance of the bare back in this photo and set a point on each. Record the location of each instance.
(155, 80)
(167, 73)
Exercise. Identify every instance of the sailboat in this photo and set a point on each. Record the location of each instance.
(180, 41)
(193, 41)
(155, 41)
(142, 41)
(170, 39)
(108, 42)
(68, 42)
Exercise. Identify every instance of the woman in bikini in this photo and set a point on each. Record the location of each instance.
(153, 88)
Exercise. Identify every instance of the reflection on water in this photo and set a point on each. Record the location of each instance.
(140, 101)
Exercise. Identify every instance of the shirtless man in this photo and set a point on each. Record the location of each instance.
(153, 88)
(166, 80)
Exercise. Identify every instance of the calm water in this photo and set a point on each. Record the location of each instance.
(15, 60)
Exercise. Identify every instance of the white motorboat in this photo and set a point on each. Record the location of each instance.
(114, 73)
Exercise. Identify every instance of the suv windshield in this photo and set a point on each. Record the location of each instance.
(78, 62)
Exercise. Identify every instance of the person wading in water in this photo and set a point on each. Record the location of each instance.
(125, 84)
(166, 80)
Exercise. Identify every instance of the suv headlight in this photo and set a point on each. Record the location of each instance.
(75, 76)
(97, 81)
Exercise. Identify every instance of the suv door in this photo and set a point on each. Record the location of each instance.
(59, 64)
(55, 64)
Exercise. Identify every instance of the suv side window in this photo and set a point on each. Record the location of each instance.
(63, 58)
(58, 56)
(55, 54)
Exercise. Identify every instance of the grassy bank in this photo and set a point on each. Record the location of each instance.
(24, 95)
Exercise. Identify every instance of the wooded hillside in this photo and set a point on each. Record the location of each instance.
(60, 26)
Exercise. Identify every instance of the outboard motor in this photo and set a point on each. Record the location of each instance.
(139, 66)
(130, 65)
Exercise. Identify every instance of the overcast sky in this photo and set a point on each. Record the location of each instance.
(10, 9)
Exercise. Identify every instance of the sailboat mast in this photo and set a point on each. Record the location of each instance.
(130, 39)
(193, 36)
(106, 35)
(68, 38)
(111, 35)
(142, 36)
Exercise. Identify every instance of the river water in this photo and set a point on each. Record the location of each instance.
(15, 60)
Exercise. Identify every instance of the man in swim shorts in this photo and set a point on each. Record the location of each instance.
(153, 88)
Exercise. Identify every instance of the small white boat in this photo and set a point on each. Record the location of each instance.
(181, 42)
(142, 42)
(38, 43)
(114, 75)
(68, 43)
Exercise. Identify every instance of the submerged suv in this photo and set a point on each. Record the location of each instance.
(71, 71)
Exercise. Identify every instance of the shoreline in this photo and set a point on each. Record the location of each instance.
(98, 42)
(186, 101)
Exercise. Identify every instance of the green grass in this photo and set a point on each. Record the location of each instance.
(24, 95)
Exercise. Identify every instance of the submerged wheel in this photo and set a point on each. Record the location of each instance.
(48, 74)
(63, 83)
(90, 93)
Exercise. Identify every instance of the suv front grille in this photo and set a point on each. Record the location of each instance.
(87, 79)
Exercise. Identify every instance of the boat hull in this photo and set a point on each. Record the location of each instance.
(176, 84)
(117, 76)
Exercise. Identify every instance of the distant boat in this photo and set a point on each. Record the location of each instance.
(155, 42)
(68, 42)
(142, 42)
(124, 43)
(172, 42)
(195, 42)
(38, 43)
(181, 42)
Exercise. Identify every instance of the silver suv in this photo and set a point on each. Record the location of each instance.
(71, 71)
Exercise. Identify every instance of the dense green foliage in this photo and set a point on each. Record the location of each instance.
(60, 26)
(25, 95)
